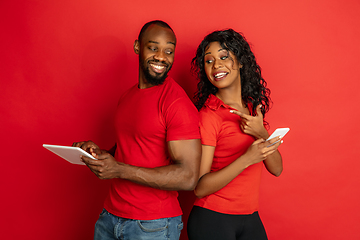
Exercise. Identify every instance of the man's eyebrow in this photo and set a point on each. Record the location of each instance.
(151, 41)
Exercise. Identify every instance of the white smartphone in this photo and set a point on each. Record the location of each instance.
(278, 132)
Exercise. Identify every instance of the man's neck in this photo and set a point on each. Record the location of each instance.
(144, 85)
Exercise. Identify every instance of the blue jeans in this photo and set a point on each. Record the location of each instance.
(111, 227)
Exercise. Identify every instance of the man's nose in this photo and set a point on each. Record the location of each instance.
(160, 55)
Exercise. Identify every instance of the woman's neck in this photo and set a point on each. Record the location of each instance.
(231, 97)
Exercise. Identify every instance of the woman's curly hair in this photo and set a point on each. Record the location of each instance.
(253, 86)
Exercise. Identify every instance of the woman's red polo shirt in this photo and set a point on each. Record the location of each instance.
(221, 129)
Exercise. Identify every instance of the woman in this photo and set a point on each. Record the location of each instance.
(232, 98)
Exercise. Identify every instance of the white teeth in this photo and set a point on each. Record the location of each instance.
(157, 66)
(219, 75)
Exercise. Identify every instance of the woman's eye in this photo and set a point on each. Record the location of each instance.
(208, 61)
(224, 57)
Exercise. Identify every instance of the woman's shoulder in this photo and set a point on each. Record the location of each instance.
(209, 116)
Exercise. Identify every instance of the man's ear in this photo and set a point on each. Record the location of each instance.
(137, 46)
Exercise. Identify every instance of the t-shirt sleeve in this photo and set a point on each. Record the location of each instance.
(209, 128)
(182, 120)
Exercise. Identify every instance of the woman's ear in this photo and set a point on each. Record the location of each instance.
(136, 46)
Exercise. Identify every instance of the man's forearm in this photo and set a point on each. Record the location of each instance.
(172, 177)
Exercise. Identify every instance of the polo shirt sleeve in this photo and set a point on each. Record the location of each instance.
(209, 127)
(182, 120)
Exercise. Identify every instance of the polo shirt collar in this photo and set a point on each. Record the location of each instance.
(214, 103)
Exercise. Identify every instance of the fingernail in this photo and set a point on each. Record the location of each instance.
(282, 141)
(231, 111)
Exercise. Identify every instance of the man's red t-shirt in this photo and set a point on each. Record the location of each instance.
(221, 129)
(146, 119)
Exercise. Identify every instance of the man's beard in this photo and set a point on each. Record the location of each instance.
(158, 79)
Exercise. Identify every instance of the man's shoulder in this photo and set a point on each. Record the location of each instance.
(129, 90)
(174, 96)
(176, 90)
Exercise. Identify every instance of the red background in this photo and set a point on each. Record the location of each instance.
(65, 63)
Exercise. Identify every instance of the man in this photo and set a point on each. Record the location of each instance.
(157, 150)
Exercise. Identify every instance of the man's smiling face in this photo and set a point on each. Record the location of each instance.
(156, 52)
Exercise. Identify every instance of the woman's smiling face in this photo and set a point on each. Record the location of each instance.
(221, 66)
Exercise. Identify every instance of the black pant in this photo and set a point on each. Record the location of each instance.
(209, 225)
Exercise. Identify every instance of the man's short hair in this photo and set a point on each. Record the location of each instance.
(156, 22)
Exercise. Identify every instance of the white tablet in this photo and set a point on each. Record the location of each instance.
(70, 154)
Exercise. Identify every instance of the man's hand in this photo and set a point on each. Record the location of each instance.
(253, 125)
(88, 146)
(105, 167)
